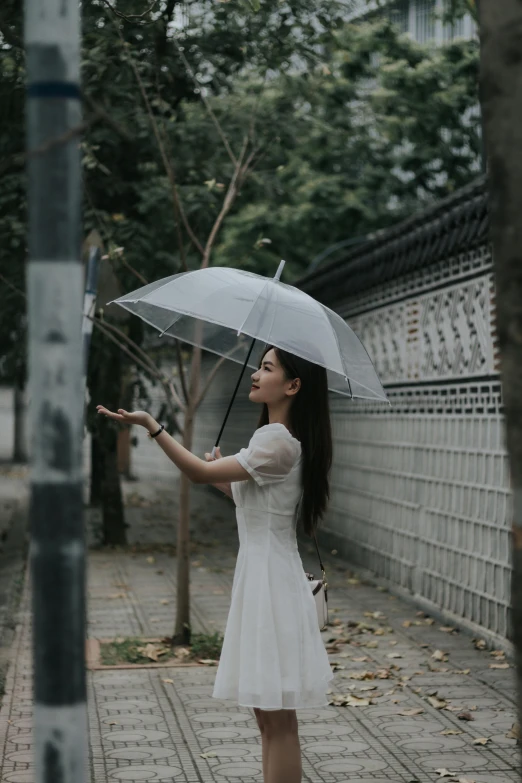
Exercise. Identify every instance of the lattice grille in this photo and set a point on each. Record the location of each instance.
(470, 263)
(441, 335)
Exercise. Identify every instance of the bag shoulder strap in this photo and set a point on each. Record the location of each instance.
(318, 554)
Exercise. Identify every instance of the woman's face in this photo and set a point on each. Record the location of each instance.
(269, 383)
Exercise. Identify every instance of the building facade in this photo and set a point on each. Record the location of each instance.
(423, 20)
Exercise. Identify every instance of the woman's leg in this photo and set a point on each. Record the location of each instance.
(284, 752)
(264, 744)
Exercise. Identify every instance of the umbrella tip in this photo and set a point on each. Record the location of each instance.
(277, 275)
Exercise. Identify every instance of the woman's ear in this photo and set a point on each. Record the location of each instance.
(295, 385)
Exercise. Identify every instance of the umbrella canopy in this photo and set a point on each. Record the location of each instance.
(219, 308)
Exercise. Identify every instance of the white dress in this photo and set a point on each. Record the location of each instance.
(273, 655)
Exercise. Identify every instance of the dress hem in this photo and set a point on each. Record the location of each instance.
(266, 707)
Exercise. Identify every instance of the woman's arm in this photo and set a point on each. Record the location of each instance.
(220, 471)
(226, 488)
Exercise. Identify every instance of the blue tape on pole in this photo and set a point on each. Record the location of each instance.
(54, 90)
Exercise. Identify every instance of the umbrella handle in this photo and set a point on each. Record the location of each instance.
(213, 454)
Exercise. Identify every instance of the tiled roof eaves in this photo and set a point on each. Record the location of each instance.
(454, 224)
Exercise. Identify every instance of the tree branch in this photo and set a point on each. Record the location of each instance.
(210, 378)
(12, 286)
(130, 17)
(207, 106)
(145, 357)
(238, 177)
(150, 370)
(178, 211)
(181, 371)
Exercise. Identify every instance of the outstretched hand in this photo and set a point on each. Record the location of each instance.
(135, 417)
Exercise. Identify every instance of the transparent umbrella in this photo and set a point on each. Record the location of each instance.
(235, 314)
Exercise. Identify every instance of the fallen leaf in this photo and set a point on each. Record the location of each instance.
(182, 652)
(514, 732)
(407, 623)
(465, 716)
(152, 652)
(499, 666)
(164, 601)
(481, 741)
(361, 675)
(208, 661)
(449, 732)
(498, 653)
(151, 560)
(439, 655)
(168, 680)
(411, 712)
(208, 755)
(460, 671)
(447, 628)
(439, 704)
(348, 700)
(480, 644)
(445, 773)
(112, 723)
(394, 655)
(465, 780)
(354, 581)
(362, 659)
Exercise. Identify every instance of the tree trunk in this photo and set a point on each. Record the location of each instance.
(124, 435)
(182, 630)
(96, 470)
(501, 97)
(124, 451)
(19, 439)
(114, 528)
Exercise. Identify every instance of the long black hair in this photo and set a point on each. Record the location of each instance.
(310, 424)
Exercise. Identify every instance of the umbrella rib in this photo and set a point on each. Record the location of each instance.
(252, 307)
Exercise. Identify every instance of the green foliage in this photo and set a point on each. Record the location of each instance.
(354, 127)
(205, 646)
(382, 127)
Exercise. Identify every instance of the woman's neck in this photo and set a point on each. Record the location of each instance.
(280, 415)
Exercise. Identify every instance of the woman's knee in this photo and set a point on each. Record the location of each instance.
(259, 718)
(278, 722)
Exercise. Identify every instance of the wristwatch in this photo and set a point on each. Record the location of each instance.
(155, 434)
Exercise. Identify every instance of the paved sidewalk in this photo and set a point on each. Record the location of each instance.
(163, 725)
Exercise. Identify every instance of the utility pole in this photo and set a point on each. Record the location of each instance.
(55, 297)
(500, 25)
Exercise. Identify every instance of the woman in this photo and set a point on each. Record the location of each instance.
(273, 658)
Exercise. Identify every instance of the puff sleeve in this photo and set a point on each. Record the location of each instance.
(270, 455)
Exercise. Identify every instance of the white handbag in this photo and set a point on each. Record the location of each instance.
(320, 592)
